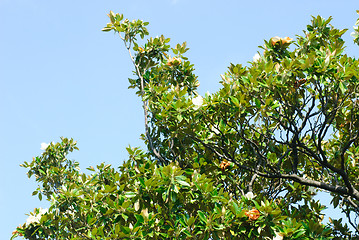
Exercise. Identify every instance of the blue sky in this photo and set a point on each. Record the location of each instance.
(61, 76)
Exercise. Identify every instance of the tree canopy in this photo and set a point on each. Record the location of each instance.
(242, 163)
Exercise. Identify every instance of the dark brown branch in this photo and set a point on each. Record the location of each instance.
(294, 177)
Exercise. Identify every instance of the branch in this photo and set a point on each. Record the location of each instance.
(294, 177)
(145, 108)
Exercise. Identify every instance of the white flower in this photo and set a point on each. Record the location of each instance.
(197, 101)
(36, 218)
(249, 195)
(44, 146)
(137, 205)
(42, 211)
(278, 236)
(144, 212)
(311, 189)
(354, 34)
(256, 57)
(32, 219)
(70, 212)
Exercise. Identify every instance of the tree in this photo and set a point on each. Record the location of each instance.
(242, 163)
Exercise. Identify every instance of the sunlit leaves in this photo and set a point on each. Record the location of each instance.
(291, 114)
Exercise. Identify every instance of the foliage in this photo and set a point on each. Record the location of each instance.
(242, 163)
(143, 200)
(355, 34)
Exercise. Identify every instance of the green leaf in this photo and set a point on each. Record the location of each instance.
(235, 101)
(173, 196)
(106, 29)
(257, 102)
(140, 220)
(191, 221)
(130, 194)
(91, 169)
(125, 230)
(275, 105)
(342, 87)
(180, 118)
(183, 183)
(236, 208)
(202, 216)
(124, 216)
(91, 220)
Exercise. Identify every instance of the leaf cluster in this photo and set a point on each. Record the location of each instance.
(280, 129)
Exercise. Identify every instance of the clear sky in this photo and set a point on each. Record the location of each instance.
(61, 76)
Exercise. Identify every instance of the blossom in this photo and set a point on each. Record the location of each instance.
(277, 39)
(286, 40)
(137, 205)
(224, 164)
(197, 101)
(16, 232)
(226, 78)
(355, 34)
(70, 211)
(274, 40)
(249, 195)
(36, 218)
(144, 213)
(277, 67)
(32, 219)
(173, 61)
(42, 211)
(278, 236)
(256, 57)
(252, 214)
(44, 146)
(299, 82)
